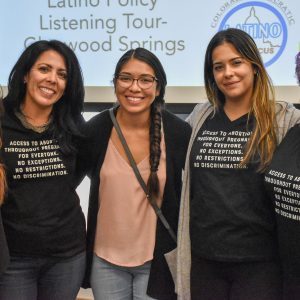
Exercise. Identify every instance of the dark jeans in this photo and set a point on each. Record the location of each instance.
(42, 278)
(291, 288)
(213, 280)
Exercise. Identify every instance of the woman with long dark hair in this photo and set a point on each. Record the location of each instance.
(126, 240)
(42, 217)
(4, 257)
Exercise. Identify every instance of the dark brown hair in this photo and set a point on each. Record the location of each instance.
(150, 59)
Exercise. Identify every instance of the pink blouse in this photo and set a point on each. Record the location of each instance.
(126, 222)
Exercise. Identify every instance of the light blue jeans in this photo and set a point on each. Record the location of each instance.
(42, 278)
(112, 282)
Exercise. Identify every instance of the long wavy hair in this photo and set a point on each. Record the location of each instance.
(2, 169)
(67, 111)
(263, 138)
(150, 59)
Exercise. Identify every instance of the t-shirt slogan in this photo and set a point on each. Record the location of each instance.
(36, 159)
(286, 189)
(220, 149)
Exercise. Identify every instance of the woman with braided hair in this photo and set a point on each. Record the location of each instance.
(126, 241)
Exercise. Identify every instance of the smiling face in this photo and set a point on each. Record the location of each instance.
(134, 99)
(46, 81)
(233, 74)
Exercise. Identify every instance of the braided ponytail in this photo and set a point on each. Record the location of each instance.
(155, 151)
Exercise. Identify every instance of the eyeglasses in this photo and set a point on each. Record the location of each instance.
(144, 82)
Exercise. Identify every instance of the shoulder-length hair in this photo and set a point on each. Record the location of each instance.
(67, 111)
(263, 138)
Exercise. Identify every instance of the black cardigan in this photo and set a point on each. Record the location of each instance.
(176, 134)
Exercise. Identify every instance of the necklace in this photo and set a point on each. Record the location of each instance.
(35, 128)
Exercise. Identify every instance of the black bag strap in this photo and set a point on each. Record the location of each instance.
(139, 177)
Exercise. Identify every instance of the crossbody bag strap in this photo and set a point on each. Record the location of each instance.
(139, 177)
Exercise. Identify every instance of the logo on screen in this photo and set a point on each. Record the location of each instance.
(264, 23)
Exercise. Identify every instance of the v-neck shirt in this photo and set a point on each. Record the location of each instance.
(231, 215)
(126, 223)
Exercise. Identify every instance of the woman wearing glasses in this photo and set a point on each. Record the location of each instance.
(126, 242)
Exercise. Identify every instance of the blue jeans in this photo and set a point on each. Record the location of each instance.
(112, 282)
(42, 278)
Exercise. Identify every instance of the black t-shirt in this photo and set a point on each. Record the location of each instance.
(41, 213)
(231, 216)
(282, 180)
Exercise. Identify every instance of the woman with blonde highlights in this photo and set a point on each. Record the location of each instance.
(262, 106)
(226, 237)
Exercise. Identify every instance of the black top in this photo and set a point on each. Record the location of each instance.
(231, 214)
(41, 214)
(176, 134)
(4, 257)
(282, 180)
